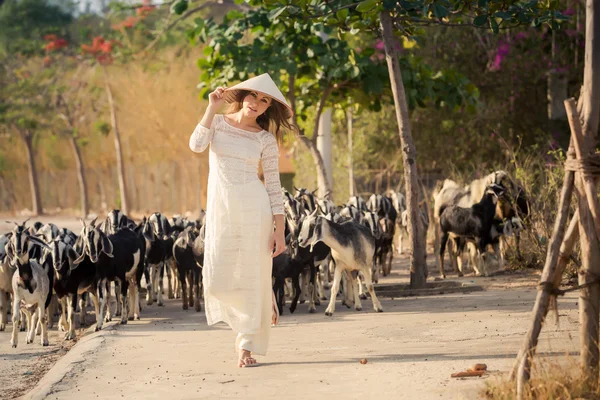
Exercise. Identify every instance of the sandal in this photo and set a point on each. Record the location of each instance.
(247, 362)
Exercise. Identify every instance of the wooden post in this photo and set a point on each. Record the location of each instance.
(589, 296)
(540, 309)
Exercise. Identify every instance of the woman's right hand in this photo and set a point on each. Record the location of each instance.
(216, 99)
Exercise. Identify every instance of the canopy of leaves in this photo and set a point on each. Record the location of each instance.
(410, 15)
(25, 23)
(319, 59)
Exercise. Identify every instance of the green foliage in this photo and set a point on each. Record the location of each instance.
(102, 127)
(318, 58)
(411, 15)
(25, 23)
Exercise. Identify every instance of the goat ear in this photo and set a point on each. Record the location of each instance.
(78, 260)
(39, 242)
(10, 253)
(93, 222)
(107, 246)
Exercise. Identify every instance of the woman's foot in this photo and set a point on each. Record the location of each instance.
(246, 359)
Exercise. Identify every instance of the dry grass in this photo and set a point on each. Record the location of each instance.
(550, 380)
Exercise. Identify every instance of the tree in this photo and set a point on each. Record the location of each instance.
(26, 22)
(315, 67)
(23, 111)
(101, 51)
(389, 18)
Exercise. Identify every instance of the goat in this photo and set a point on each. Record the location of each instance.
(453, 194)
(70, 281)
(475, 222)
(31, 286)
(184, 253)
(117, 258)
(352, 247)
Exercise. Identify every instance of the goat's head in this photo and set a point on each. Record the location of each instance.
(25, 279)
(186, 238)
(94, 242)
(21, 243)
(310, 230)
(63, 258)
(160, 225)
(371, 220)
(114, 221)
(495, 190)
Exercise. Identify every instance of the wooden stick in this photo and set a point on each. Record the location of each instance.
(522, 366)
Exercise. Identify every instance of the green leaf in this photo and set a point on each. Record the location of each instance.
(276, 12)
(480, 20)
(207, 51)
(366, 6)
(389, 4)
(494, 25)
(179, 7)
(342, 14)
(503, 15)
(440, 11)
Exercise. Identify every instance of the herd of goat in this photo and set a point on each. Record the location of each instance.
(44, 268)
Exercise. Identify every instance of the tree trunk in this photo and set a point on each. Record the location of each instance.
(118, 150)
(418, 268)
(319, 164)
(350, 159)
(36, 203)
(80, 177)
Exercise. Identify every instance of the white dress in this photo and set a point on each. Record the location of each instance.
(239, 223)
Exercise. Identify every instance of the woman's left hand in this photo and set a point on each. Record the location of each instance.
(278, 240)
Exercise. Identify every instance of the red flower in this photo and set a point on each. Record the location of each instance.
(144, 10)
(50, 37)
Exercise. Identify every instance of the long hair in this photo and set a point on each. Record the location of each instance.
(272, 120)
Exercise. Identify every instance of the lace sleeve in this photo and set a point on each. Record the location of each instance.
(270, 164)
(202, 136)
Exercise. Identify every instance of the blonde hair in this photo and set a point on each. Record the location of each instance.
(272, 120)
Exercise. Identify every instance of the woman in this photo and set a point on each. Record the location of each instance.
(239, 233)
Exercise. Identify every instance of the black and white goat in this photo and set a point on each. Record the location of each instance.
(451, 193)
(357, 202)
(72, 280)
(352, 247)
(117, 257)
(475, 224)
(188, 254)
(159, 256)
(32, 292)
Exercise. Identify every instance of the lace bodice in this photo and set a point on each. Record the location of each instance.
(235, 153)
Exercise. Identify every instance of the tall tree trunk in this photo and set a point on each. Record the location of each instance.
(80, 177)
(350, 159)
(312, 144)
(118, 150)
(418, 267)
(36, 202)
(319, 164)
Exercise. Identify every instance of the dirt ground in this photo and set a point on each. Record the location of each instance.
(411, 348)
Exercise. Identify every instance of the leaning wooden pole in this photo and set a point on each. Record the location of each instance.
(540, 309)
(589, 276)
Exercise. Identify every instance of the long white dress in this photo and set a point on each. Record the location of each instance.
(239, 223)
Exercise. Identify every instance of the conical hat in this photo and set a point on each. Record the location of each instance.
(263, 84)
